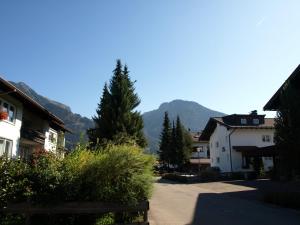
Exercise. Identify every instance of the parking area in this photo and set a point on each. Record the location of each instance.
(232, 203)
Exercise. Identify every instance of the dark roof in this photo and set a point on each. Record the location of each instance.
(213, 121)
(13, 91)
(274, 102)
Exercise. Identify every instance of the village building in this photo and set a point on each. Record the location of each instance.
(26, 126)
(294, 79)
(240, 141)
(200, 157)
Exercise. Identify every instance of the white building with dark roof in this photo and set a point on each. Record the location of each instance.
(237, 141)
(26, 126)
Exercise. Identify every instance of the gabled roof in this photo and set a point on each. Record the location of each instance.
(9, 89)
(213, 121)
(274, 102)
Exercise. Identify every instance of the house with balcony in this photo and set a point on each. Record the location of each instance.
(239, 142)
(200, 158)
(26, 126)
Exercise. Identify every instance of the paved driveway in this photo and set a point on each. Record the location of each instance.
(214, 203)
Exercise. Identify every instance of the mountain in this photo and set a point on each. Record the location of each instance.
(75, 122)
(193, 116)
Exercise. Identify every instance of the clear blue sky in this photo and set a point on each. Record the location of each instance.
(229, 56)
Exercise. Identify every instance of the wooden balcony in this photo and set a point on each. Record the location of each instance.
(33, 135)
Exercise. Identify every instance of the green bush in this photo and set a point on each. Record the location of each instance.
(121, 174)
(118, 174)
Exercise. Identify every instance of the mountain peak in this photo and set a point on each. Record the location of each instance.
(193, 116)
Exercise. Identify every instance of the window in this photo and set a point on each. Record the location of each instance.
(5, 147)
(266, 138)
(246, 162)
(255, 121)
(223, 149)
(243, 121)
(218, 159)
(200, 149)
(217, 144)
(52, 137)
(10, 109)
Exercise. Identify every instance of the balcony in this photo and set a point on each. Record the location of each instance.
(33, 135)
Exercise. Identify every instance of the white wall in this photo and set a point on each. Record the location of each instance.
(50, 146)
(11, 131)
(219, 148)
(250, 137)
(240, 137)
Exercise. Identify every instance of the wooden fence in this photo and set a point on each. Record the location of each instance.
(76, 208)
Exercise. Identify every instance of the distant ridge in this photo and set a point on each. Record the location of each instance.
(73, 121)
(193, 116)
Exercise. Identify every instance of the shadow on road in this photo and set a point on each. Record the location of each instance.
(243, 207)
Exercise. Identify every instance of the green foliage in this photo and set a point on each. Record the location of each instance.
(106, 219)
(165, 141)
(115, 114)
(117, 173)
(175, 144)
(287, 135)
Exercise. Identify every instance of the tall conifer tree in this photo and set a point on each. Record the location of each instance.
(165, 141)
(116, 118)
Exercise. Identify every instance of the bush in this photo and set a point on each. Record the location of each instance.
(118, 174)
(121, 174)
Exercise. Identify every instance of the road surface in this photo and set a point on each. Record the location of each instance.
(214, 203)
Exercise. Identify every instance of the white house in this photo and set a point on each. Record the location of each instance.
(238, 141)
(28, 126)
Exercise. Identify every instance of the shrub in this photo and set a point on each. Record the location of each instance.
(119, 174)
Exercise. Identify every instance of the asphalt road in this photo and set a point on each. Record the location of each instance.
(214, 203)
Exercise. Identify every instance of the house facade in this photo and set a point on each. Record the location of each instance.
(200, 157)
(27, 126)
(237, 141)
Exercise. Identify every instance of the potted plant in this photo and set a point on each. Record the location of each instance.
(3, 115)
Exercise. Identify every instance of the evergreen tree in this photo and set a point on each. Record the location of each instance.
(183, 144)
(116, 119)
(102, 130)
(188, 146)
(173, 146)
(287, 135)
(165, 141)
(179, 143)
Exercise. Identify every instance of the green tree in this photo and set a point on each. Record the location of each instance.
(287, 135)
(116, 119)
(173, 146)
(165, 141)
(183, 145)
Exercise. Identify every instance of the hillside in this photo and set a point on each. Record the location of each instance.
(75, 122)
(193, 116)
